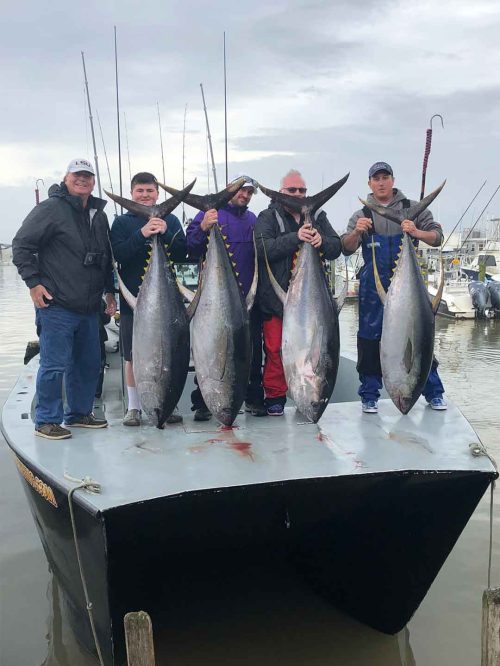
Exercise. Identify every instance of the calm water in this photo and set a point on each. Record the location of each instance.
(262, 621)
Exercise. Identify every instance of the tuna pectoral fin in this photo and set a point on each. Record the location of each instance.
(408, 356)
(280, 293)
(314, 354)
(253, 287)
(127, 295)
(340, 299)
(191, 308)
(378, 282)
(437, 298)
(185, 292)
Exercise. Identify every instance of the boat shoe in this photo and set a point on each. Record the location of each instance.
(52, 431)
(174, 417)
(132, 417)
(87, 421)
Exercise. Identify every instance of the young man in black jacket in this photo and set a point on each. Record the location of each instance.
(130, 239)
(281, 230)
(62, 253)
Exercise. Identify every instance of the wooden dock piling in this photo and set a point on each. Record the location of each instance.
(490, 634)
(139, 639)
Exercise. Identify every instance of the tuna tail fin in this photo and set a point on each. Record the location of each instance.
(147, 212)
(208, 201)
(280, 293)
(407, 213)
(414, 211)
(437, 298)
(168, 206)
(253, 287)
(312, 204)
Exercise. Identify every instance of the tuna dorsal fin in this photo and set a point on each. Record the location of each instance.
(280, 293)
(378, 282)
(147, 212)
(311, 204)
(191, 308)
(208, 201)
(437, 298)
(253, 287)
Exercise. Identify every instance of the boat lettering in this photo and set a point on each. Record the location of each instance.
(37, 484)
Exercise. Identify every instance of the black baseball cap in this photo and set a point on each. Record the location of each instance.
(380, 166)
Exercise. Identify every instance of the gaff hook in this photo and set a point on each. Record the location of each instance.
(436, 115)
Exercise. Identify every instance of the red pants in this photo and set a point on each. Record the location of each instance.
(273, 378)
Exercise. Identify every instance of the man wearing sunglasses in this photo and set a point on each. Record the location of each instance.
(237, 224)
(282, 230)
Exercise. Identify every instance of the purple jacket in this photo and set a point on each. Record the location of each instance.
(237, 223)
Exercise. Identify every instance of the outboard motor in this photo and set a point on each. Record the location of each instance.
(494, 289)
(479, 295)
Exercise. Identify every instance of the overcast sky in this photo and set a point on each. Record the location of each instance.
(323, 86)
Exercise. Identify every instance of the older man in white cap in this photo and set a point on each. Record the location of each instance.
(62, 253)
(237, 224)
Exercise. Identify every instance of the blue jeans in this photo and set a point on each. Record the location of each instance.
(69, 348)
(371, 385)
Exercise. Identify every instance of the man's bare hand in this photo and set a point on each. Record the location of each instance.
(38, 294)
(363, 224)
(110, 304)
(409, 227)
(209, 219)
(155, 225)
(310, 235)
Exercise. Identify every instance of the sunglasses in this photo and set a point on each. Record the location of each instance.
(292, 190)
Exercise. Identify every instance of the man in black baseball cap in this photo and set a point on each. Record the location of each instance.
(365, 229)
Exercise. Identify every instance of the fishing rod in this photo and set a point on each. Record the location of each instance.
(128, 152)
(96, 161)
(225, 107)
(428, 142)
(479, 217)
(463, 214)
(161, 146)
(184, 162)
(118, 119)
(209, 138)
(106, 158)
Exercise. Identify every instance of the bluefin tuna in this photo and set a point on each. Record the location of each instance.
(310, 343)
(220, 328)
(160, 346)
(407, 343)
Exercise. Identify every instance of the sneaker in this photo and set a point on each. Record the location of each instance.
(174, 417)
(52, 431)
(202, 414)
(370, 407)
(87, 421)
(438, 404)
(275, 410)
(256, 408)
(132, 417)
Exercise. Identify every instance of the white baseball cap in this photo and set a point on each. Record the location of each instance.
(80, 165)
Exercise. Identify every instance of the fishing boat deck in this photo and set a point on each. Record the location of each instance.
(134, 464)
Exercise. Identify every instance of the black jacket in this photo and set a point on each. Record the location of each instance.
(51, 245)
(280, 249)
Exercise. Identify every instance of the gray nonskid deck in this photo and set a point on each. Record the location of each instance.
(140, 463)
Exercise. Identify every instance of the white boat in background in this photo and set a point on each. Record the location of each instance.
(462, 297)
(5, 254)
(349, 267)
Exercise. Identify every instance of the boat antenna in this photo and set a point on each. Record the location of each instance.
(225, 107)
(118, 119)
(106, 158)
(37, 191)
(428, 142)
(96, 161)
(479, 217)
(208, 164)
(463, 214)
(184, 162)
(128, 151)
(161, 146)
(209, 138)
